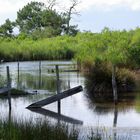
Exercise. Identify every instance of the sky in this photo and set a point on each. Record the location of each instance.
(94, 14)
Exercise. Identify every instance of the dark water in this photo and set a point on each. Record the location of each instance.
(77, 108)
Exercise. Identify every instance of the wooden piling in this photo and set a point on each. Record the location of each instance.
(18, 74)
(114, 84)
(58, 87)
(39, 66)
(39, 74)
(9, 87)
(18, 68)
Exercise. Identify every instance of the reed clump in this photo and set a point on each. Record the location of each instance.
(38, 131)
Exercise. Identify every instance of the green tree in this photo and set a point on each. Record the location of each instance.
(53, 20)
(6, 29)
(29, 17)
(35, 17)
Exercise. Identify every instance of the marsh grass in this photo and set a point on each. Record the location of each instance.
(58, 48)
(19, 130)
(39, 131)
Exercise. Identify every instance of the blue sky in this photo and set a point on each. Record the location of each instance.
(95, 14)
(116, 19)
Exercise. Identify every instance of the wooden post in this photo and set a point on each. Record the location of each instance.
(39, 74)
(18, 74)
(58, 87)
(68, 81)
(18, 68)
(39, 66)
(114, 84)
(9, 87)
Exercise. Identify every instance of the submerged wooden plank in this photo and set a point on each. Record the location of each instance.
(71, 70)
(57, 97)
(55, 115)
(4, 90)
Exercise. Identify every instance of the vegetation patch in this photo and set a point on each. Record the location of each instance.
(99, 81)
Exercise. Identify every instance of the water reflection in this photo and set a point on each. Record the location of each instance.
(100, 99)
(55, 115)
(35, 75)
(29, 81)
(42, 81)
(115, 115)
(102, 105)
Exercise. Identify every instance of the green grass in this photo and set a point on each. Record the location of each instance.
(58, 48)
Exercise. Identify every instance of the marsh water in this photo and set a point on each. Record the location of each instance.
(78, 108)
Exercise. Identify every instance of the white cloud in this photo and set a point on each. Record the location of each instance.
(110, 4)
(14, 5)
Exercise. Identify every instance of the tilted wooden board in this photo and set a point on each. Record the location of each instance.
(56, 97)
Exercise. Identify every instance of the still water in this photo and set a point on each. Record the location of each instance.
(77, 108)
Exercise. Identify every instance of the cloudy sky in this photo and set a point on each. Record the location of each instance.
(94, 14)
